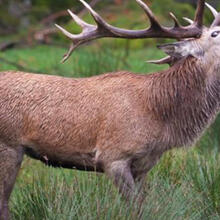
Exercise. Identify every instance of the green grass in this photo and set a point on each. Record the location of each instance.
(184, 185)
(84, 62)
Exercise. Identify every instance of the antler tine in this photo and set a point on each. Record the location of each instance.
(78, 20)
(216, 14)
(70, 51)
(213, 10)
(165, 60)
(176, 22)
(65, 32)
(198, 21)
(216, 22)
(188, 20)
(150, 14)
(99, 20)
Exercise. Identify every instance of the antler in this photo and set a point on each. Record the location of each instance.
(216, 14)
(103, 29)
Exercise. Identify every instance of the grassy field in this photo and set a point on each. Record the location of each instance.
(184, 185)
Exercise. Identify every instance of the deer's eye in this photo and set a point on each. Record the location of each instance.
(215, 33)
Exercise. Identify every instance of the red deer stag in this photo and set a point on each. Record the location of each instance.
(118, 123)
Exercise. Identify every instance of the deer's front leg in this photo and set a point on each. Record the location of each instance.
(10, 161)
(140, 167)
(119, 171)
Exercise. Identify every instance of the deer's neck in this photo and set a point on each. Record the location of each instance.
(185, 100)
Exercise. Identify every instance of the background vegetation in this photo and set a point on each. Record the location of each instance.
(186, 182)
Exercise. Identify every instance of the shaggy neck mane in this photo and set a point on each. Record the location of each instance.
(184, 99)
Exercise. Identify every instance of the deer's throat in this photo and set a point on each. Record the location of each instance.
(185, 101)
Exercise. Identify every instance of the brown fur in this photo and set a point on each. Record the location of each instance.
(117, 123)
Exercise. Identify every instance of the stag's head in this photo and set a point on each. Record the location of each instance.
(194, 40)
(205, 48)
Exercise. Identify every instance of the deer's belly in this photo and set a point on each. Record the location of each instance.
(79, 161)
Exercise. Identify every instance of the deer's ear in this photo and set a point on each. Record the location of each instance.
(181, 49)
